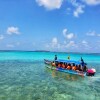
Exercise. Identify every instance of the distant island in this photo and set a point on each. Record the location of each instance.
(24, 51)
(41, 51)
(48, 51)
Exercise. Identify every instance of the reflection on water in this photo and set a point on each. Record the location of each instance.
(66, 76)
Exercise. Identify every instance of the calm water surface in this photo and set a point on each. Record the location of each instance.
(24, 76)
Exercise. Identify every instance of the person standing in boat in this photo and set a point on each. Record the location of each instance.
(55, 57)
(82, 61)
(84, 68)
(56, 63)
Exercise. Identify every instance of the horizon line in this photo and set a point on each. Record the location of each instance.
(49, 51)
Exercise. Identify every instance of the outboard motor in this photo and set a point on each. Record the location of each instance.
(91, 72)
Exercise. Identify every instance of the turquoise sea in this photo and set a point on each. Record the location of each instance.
(24, 76)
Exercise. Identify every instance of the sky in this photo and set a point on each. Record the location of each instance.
(52, 25)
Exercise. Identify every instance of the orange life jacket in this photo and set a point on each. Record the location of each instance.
(74, 68)
(59, 65)
(69, 67)
(63, 66)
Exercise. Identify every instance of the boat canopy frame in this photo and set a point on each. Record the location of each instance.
(69, 61)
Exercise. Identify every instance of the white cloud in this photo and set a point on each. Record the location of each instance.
(68, 11)
(13, 30)
(67, 35)
(92, 2)
(64, 31)
(53, 45)
(85, 43)
(70, 36)
(71, 44)
(50, 4)
(98, 34)
(54, 42)
(78, 10)
(10, 45)
(75, 3)
(86, 46)
(91, 33)
(1, 37)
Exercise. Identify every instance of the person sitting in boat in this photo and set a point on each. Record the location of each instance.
(53, 63)
(85, 68)
(74, 67)
(63, 65)
(79, 68)
(66, 65)
(56, 63)
(69, 67)
(59, 65)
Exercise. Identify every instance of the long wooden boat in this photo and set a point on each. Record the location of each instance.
(81, 73)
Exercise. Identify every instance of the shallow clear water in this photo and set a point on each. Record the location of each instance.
(24, 76)
(41, 55)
